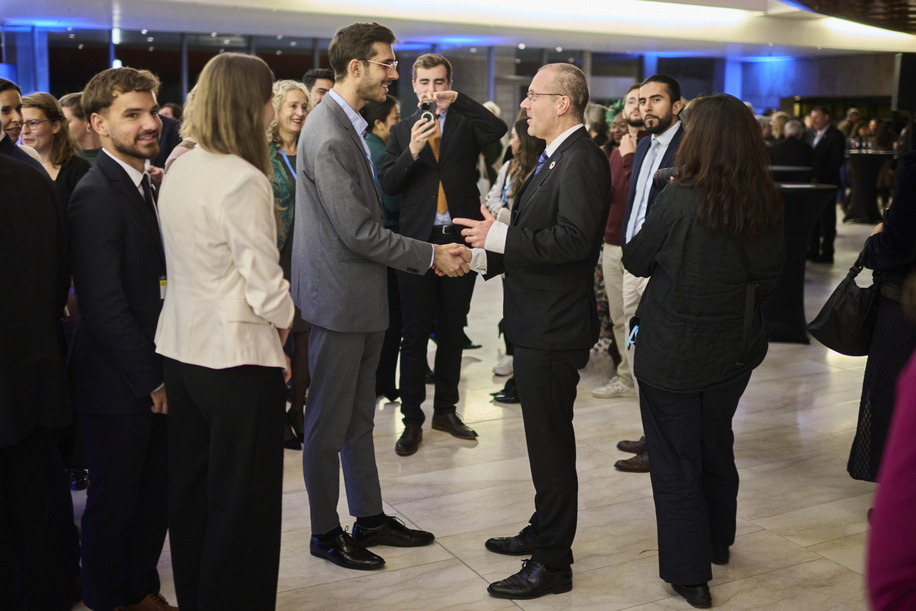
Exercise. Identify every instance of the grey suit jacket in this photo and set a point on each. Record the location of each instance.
(340, 247)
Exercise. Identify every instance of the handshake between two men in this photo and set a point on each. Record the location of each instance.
(455, 259)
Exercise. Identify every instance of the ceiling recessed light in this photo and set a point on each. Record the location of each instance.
(521, 46)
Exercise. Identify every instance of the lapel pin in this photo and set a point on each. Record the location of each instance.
(552, 163)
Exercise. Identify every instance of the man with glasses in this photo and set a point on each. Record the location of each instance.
(433, 166)
(339, 281)
(548, 252)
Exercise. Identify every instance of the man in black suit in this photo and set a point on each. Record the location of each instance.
(433, 166)
(119, 275)
(318, 82)
(829, 150)
(39, 549)
(660, 106)
(548, 253)
(792, 150)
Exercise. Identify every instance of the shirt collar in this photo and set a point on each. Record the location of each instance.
(135, 176)
(666, 138)
(359, 123)
(553, 146)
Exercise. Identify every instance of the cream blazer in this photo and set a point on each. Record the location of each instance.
(226, 295)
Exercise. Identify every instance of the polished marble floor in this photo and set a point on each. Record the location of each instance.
(801, 519)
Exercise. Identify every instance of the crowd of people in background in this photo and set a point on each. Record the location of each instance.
(206, 284)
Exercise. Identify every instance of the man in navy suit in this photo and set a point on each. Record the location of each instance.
(548, 253)
(432, 165)
(119, 274)
(660, 105)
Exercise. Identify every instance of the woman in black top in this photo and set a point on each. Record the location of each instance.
(46, 129)
(712, 246)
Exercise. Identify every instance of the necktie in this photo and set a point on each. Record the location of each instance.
(643, 187)
(542, 159)
(149, 196)
(435, 142)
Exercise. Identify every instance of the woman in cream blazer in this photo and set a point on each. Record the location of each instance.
(226, 314)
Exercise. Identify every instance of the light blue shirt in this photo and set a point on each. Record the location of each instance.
(646, 174)
(359, 123)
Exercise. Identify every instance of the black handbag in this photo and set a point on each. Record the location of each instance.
(846, 321)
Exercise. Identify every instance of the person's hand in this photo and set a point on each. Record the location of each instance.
(627, 145)
(476, 232)
(451, 260)
(160, 403)
(155, 173)
(288, 372)
(420, 133)
(443, 99)
(878, 228)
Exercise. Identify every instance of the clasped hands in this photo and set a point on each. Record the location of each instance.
(451, 260)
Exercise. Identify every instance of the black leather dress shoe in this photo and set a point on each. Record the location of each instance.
(632, 447)
(697, 595)
(720, 554)
(345, 552)
(452, 424)
(393, 532)
(532, 581)
(522, 544)
(507, 397)
(409, 440)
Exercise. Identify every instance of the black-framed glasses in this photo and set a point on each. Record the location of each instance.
(533, 95)
(33, 123)
(386, 65)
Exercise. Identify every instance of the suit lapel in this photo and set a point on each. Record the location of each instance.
(135, 204)
(451, 121)
(345, 122)
(535, 181)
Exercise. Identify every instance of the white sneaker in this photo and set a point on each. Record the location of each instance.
(615, 387)
(504, 367)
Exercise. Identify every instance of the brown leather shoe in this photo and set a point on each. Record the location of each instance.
(637, 464)
(409, 440)
(153, 602)
(633, 447)
(452, 424)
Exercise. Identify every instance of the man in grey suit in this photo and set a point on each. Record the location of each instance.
(339, 281)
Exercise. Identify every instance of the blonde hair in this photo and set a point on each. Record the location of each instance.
(281, 88)
(187, 119)
(229, 107)
(63, 145)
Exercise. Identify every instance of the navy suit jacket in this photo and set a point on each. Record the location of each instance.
(9, 148)
(117, 261)
(552, 246)
(667, 161)
(469, 127)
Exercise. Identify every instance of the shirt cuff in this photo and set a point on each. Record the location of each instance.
(496, 238)
(479, 261)
(432, 257)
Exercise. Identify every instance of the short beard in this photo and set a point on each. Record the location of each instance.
(636, 123)
(661, 126)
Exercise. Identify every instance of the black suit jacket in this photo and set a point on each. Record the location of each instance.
(829, 155)
(469, 127)
(552, 246)
(667, 161)
(9, 148)
(791, 151)
(117, 261)
(33, 291)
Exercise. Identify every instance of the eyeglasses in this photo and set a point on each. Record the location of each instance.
(33, 123)
(386, 65)
(533, 95)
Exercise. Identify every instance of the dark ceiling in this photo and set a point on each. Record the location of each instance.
(897, 15)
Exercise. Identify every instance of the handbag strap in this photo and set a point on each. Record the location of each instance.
(751, 292)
